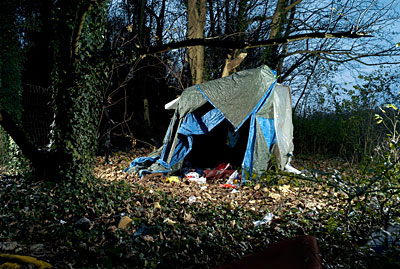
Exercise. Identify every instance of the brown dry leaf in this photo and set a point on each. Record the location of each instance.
(274, 196)
(207, 195)
(169, 221)
(148, 238)
(149, 215)
(265, 189)
(157, 205)
(187, 217)
(124, 222)
(232, 205)
(284, 188)
(112, 228)
(257, 187)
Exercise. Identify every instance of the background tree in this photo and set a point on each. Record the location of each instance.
(196, 22)
(137, 87)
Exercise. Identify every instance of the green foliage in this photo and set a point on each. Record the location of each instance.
(349, 131)
(388, 150)
(320, 133)
(57, 206)
(368, 204)
(365, 200)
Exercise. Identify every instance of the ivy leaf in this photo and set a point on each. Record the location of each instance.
(391, 106)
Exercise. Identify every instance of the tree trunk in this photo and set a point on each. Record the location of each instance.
(77, 95)
(271, 53)
(196, 23)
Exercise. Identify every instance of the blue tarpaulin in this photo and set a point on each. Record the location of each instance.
(241, 97)
(194, 125)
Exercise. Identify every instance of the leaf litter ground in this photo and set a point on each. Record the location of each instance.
(169, 225)
(254, 196)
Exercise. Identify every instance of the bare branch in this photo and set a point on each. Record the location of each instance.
(350, 56)
(360, 17)
(293, 5)
(246, 44)
(231, 64)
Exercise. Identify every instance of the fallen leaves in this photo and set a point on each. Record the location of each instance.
(140, 219)
(169, 221)
(124, 222)
(157, 205)
(274, 196)
(190, 192)
(284, 189)
(187, 217)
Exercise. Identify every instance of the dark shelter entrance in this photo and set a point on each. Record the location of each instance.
(221, 145)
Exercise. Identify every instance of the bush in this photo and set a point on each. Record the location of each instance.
(348, 135)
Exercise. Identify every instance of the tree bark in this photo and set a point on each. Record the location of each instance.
(196, 23)
(278, 20)
(231, 64)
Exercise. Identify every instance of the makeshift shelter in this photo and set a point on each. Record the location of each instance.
(249, 104)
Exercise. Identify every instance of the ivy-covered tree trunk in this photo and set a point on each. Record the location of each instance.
(77, 78)
(77, 87)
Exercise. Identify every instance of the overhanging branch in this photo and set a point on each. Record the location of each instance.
(350, 56)
(210, 42)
